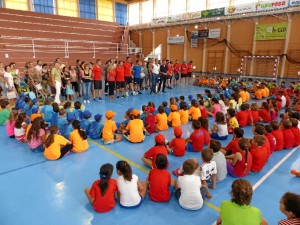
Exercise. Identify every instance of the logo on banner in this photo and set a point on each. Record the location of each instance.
(294, 2)
(271, 31)
(203, 33)
(175, 40)
(239, 9)
(214, 33)
(271, 5)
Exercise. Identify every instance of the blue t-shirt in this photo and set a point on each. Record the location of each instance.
(54, 118)
(137, 71)
(68, 129)
(27, 110)
(61, 122)
(47, 110)
(167, 110)
(85, 124)
(78, 114)
(95, 130)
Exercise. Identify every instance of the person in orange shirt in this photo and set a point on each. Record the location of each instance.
(244, 94)
(109, 128)
(161, 119)
(176, 72)
(264, 91)
(135, 128)
(257, 94)
(202, 81)
(212, 82)
(174, 117)
(78, 138)
(205, 82)
(169, 74)
(56, 146)
(184, 113)
(223, 83)
(194, 111)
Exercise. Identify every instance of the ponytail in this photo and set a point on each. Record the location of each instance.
(246, 157)
(244, 145)
(125, 169)
(50, 138)
(76, 126)
(105, 173)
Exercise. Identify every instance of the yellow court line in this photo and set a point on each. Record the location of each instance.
(141, 168)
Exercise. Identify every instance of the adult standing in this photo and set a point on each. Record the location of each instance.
(183, 72)
(77, 69)
(149, 67)
(120, 80)
(176, 72)
(155, 72)
(163, 70)
(39, 66)
(74, 80)
(56, 79)
(128, 75)
(97, 70)
(189, 72)
(2, 81)
(169, 74)
(86, 79)
(9, 82)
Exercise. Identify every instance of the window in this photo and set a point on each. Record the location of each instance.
(213, 4)
(177, 7)
(67, 8)
(147, 11)
(162, 8)
(17, 4)
(87, 9)
(196, 5)
(242, 2)
(134, 13)
(1, 4)
(43, 6)
(121, 13)
(105, 10)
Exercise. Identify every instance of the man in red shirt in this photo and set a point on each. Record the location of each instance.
(128, 75)
(189, 72)
(183, 71)
(97, 70)
(176, 72)
(120, 80)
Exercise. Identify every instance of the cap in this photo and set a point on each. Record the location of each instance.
(86, 113)
(97, 117)
(174, 107)
(191, 97)
(135, 112)
(151, 109)
(71, 116)
(177, 99)
(35, 109)
(110, 114)
(177, 132)
(23, 96)
(130, 109)
(160, 138)
(34, 100)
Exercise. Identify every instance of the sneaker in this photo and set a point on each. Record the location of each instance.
(164, 91)
(126, 94)
(123, 96)
(95, 100)
(88, 101)
(176, 173)
(118, 96)
(140, 93)
(84, 101)
(100, 99)
(108, 142)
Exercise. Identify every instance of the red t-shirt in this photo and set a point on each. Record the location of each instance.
(259, 158)
(127, 69)
(233, 146)
(249, 122)
(189, 67)
(279, 139)
(239, 168)
(159, 180)
(178, 146)
(177, 67)
(242, 117)
(254, 115)
(296, 133)
(288, 100)
(111, 75)
(97, 73)
(289, 138)
(107, 202)
(170, 69)
(150, 121)
(265, 115)
(154, 151)
(197, 138)
(183, 69)
(272, 141)
(203, 111)
(207, 136)
(120, 74)
(279, 104)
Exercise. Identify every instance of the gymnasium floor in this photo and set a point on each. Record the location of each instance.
(35, 191)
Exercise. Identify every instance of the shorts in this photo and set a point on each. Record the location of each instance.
(189, 148)
(120, 84)
(128, 80)
(97, 84)
(134, 206)
(176, 76)
(217, 137)
(189, 74)
(137, 80)
(183, 75)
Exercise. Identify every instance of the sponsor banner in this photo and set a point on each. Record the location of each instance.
(213, 13)
(194, 39)
(191, 15)
(174, 18)
(214, 33)
(294, 3)
(271, 5)
(240, 9)
(159, 20)
(271, 31)
(203, 33)
(175, 40)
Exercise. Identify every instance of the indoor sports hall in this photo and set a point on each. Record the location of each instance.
(223, 38)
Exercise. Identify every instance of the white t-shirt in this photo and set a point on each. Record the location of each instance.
(208, 169)
(283, 101)
(223, 107)
(38, 68)
(220, 160)
(129, 195)
(10, 79)
(190, 197)
(20, 131)
(222, 130)
(155, 68)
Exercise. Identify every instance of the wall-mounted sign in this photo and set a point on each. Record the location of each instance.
(271, 5)
(213, 13)
(175, 40)
(214, 33)
(240, 9)
(294, 3)
(271, 31)
(203, 33)
(194, 39)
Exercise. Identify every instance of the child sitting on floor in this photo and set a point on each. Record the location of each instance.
(161, 119)
(177, 146)
(96, 128)
(78, 138)
(259, 153)
(233, 146)
(220, 160)
(10, 124)
(196, 139)
(289, 138)
(204, 127)
(150, 120)
(219, 130)
(277, 133)
(109, 128)
(174, 117)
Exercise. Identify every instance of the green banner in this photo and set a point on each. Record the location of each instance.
(275, 31)
(213, 13)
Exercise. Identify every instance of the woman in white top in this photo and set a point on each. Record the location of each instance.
(220, 129)
(131, 189)
(9, 81)
(20, 127)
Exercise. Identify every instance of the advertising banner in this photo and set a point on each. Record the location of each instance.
(271, 31)
(191, 15)
(214, 33)
(271, 5)
(240, 9)
(213, 13)
(174, 18)
(175, 40)
(294, 3)
(194, 39)
(203, 33)
(159, 20)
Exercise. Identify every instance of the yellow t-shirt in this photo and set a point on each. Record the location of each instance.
(184, 116)
(267, 92)
(57, 74)
(233, 122)
(136, 130)
(174, 117)
(244, 95)
(53, 151)
(79, 145)
(195, 113)
(108, 130)
(161, 121)
(233, 103)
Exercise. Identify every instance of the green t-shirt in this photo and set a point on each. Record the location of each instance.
(4, 114)
(234, 214)
(57, 74)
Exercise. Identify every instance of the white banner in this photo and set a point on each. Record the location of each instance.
(294, 3)
(174, 18)
(175, 40)
(240, 9)
(191, 15)
(214, 33)
(159, 20)
(271, 5)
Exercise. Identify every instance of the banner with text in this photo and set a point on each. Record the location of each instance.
(191, 15)
(213, 13)
(203, 33)
(271, 31)
(176, 40)
(294, 3)
(174, 18)
(240, 9)
(159, 20)
(194, 39)
(214, 33)
(271, 5)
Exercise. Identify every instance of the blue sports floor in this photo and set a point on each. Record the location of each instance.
(34, 191)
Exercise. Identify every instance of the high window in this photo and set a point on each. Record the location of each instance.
(87, 9)
(17, 4)
(67, 8)
(121, 13)
(43, 6)
(105, 10)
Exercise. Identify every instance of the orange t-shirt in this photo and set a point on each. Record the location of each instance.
(136, 130)
(174, 117)
(195, 113)
(108, 130)
(161, 121)
(53, 151)
(184, 116)
(258, 94)
(79, 144)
